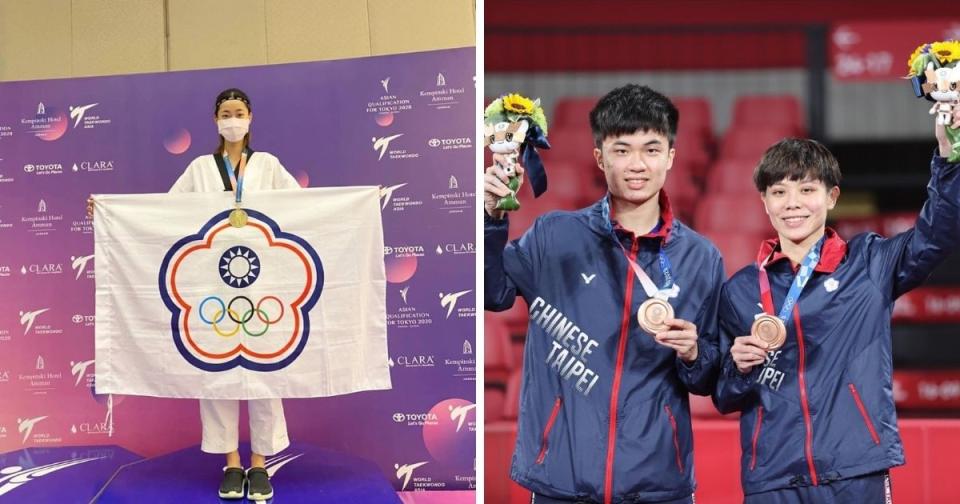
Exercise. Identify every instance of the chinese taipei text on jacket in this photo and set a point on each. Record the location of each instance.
(604, 412)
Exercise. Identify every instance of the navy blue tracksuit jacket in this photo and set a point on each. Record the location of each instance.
(821, 408)
(604, 412)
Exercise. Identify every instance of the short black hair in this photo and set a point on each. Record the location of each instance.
(632, 108)
(797, 159)
(231, 94)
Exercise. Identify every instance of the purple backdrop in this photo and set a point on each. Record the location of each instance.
(61, 140)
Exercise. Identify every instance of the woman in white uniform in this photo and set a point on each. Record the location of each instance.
(221, 418)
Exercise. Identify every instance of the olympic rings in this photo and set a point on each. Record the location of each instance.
(226, 310)
(244, 319)
(216, 329)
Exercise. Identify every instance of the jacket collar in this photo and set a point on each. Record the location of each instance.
(833, 251)
(663, 230)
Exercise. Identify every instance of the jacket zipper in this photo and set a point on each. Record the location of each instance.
(808, 442)
(756, 436)
(863, 412)
(547, 429)
(676, 440)
(618, 371)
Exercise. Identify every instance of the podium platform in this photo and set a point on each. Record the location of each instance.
(302, 473)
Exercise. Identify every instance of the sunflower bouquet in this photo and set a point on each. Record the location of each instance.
(934, 71)
(515, 126)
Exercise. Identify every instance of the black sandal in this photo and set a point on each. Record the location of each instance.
(232, 485)
(258, 484)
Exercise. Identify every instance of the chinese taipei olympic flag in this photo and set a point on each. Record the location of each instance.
(290, 305)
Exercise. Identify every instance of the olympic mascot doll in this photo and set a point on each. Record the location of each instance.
(935, 75)
(514, 126)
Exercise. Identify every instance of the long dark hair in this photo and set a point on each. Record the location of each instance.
(231, 94)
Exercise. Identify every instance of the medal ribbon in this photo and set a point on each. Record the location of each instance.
(799, 282)
(669, 289)
(236, 180)
(648, 286)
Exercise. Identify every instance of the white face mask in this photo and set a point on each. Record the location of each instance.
(234, 128)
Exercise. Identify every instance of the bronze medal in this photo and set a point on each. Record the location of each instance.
(770, 330)
(652, 314)
(238, 218)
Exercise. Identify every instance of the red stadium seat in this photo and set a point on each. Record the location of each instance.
(493, 396)
(738, 249)
(498, 354)
(683, 192)
(696, 117)
(781, 111)
(750, 142)
(573, 112)
(732, 176)
(732, 214)
(570, 145)
(515, 318)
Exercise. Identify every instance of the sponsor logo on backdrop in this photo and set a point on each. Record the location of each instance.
(31, 320)
(48, 125)
(4, 376)
(449, 301)
(4, 271)
(5, 131)
(40, 381)
(415, 361)
(42, 269)
(453, 200)
(415, 419)
(471, 481)
(404, 251)
(464, 368)
(385, 106)
(3, 432)
(398, 199)
(84, 320)
(390, 146)
(461, 248)
(450, 143)
(405, 474)
(27, 318)
(5, 179)
(42, 223)
(79, 114)
(4, 225)
(4, 334)
(458, 414)
(408, 315)
(28, 428)
(13, 477)
(387, 193)
(442, 96)
(467, 348)
(82, 226)
(79, 265)
(43, 169)
(93, 166)
(79, 372)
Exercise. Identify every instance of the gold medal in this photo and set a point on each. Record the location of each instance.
(770, 330)
(238, 218)
(652, 314)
